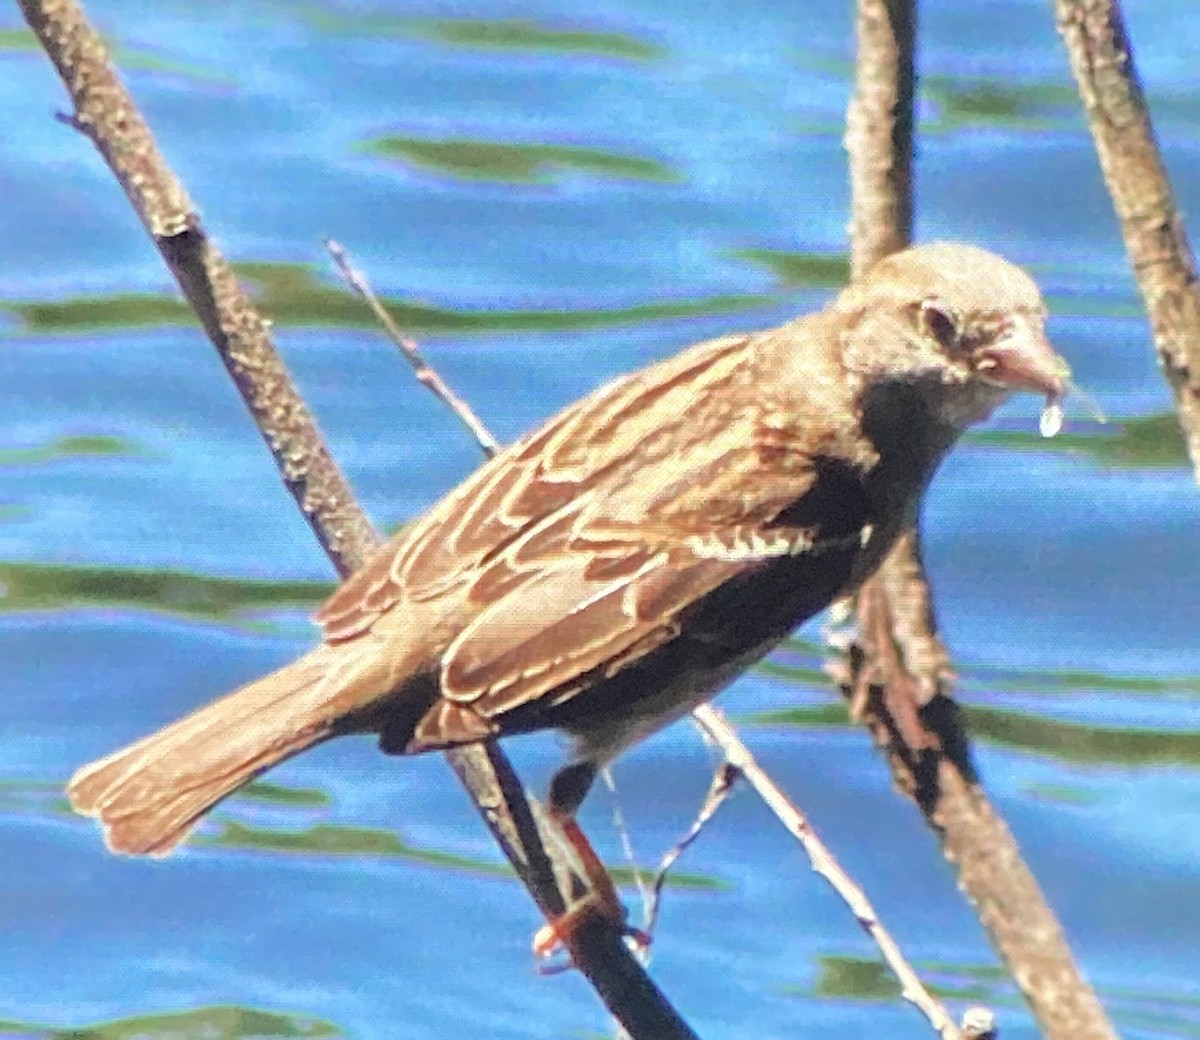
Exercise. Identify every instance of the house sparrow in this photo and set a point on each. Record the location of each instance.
(613, 569)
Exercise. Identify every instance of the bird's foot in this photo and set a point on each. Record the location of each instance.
(557, 933)
(602, 900)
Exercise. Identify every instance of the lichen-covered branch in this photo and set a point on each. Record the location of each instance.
(107, 115)
(1103, 63)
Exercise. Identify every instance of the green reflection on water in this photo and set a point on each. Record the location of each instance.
(635, 877)
(12, 513)
(30, 586)
(1143, 442)
(952, 103)
(46, 796)
(342, 840)
(855, 978)
(1068, 741)
(325, 839)
(509, 163)
(23, 40)
(18, 40)
(143, 61)
(821, 716)
(969, 102)
(1110, 306)
(1081, 681)
(864, 978)
(1062, 794)
(799, 270)
(503, 34)
(115, 310)
(798, 662)
(71, 447)
(525, 35)
(223, 1022)
(962, 103)
(293, 295)
(1079, 742)
(278, 794)
(36, 796)
(1165, 1014)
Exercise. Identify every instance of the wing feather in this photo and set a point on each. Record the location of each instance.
(559, 626)
(574, 553)
(607, 436)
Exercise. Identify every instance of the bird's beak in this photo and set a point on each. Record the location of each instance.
(1024, 360)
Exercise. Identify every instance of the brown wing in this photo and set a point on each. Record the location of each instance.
(578, 548)
(630, 425)
(568, 601)
(564, 622)
(591, 589)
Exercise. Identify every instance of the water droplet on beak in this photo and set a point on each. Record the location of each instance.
(1051, 421)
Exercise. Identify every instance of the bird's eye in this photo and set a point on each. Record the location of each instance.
(939, 323)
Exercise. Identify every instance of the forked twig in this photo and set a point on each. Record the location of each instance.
(723, 781)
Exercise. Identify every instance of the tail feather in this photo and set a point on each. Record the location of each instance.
(148, 795)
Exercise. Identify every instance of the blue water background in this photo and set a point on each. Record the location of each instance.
(1066, 575)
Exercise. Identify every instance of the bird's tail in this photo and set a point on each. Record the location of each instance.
(148, 795)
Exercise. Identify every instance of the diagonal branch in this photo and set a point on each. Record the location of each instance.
(107, 115)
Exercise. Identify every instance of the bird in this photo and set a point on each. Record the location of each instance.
(623, 563)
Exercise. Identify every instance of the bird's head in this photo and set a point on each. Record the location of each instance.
(956, 326)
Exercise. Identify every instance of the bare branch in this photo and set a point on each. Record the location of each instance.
(825, 863)
(426, 375)
(1102, 60)
(107, 115)
(879, 132)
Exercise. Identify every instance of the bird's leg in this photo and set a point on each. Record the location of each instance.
(601, 898)
(567, 790)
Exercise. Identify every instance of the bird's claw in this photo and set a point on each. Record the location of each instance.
(553, 935)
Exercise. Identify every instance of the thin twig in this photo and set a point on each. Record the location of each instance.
(426, 375)
(723, 781)
(622, 828)
(824, 863)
